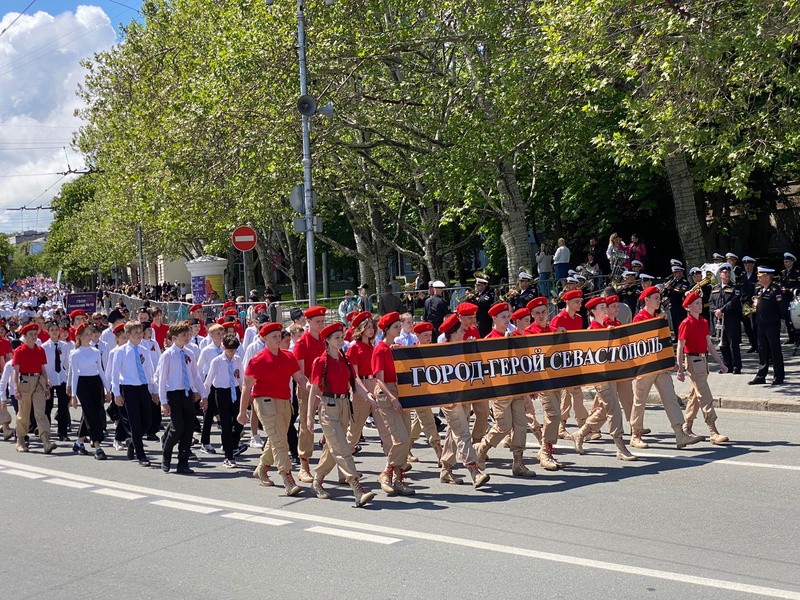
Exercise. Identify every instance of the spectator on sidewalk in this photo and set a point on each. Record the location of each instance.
(388, 302)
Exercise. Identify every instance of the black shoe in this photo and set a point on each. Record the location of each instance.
(192, 455)
(79, 449)
(184, 470)
(131, 449)
(757, 381)
(737, 371)
(63, 438)
(357, 449)
(99, 454)
(151, 437)
(166, 463)
(144, 463)
(776, 381)
(788, 342)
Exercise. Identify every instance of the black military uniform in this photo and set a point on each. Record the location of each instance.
(790, 282)
(770, 308)
(522, 297)
(630, 295)
(434, 312)
(484, 301)
(747, 286)
(727, 298)
(676, 294)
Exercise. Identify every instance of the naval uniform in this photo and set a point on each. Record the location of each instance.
(769, 310)
(727, 298)
(790, 282)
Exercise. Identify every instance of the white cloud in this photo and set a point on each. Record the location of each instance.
(39, 75)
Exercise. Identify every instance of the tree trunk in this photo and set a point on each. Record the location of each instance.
(266, 262)
(515, 228)
(687, 220)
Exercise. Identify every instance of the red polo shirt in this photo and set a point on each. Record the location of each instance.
(611, 322)
(643, 315)
(597, 325)
(29, 360)
(694, 332)
(494, 334)
(335, 372)
(562, 319)
(534, 329)
(382, 360)
(160, 333)
(471, 332)
(272, 374)
(360, 356)
(308, 348)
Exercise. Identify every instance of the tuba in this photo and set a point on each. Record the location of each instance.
(709, 278)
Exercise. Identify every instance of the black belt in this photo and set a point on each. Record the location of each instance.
(366, 377)
(695, 354)
(30, 374)
(336, 396)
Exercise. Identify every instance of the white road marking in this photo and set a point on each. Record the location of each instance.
(39, 472)
(255, 519)
(206, 510)
(26, 474)
(355, 535)
(67, 483)
(720, 461)
(118, 494)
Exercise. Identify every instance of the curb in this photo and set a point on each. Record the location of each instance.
(736, 403)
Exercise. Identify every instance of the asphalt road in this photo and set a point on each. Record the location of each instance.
(705, 522)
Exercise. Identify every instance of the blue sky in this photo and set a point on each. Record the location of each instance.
(40, 55)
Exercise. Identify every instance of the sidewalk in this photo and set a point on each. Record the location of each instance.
(732, 391)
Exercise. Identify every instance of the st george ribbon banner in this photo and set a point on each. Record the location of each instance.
(495, 368)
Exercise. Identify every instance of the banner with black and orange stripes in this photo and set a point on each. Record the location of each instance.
(495, 368)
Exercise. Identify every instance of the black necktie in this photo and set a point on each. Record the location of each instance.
(58, 358)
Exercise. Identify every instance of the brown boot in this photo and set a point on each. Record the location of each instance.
(8, 433)
(545, 456)
(687, 428)
(637, 442)
(411, 458)
(22, 446)
(507, 441)
(316, 487)
(518, 468)
(399, 484)
(48, 445)
(578, 438)
(446, 476)
(362, 496)
(385, 479)
(716, 436)
(305, 475)
(479, 478)
(563, 434)
(682, 440)
(622, 451)
(292, 489)
(482, 450)
(260, 473)
(594, 436)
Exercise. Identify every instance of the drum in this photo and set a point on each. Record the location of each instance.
(794, 312)
(625, 315)
(713, 268)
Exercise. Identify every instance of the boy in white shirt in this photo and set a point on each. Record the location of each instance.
(223, 383)
(7, 385)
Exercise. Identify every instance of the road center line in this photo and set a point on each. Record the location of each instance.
(118, 494)
(68, 483)
(206, 510)
(355, 535)
(39, 472)
(720, 461)
(26, 474)
(255, 519)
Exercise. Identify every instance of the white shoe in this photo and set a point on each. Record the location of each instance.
(256, 442)
(119, 445)
(370, 422)
(208, 449)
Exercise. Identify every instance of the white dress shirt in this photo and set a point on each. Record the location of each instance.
(85, 362)
(107, 337)
(110, 362)
(170, 373)
(49, 348)
(152, 346)
(207, 354)
(125, 372)
(407, 339)
(253, 349)
(219, 375)
(7, 381)
(250, 335)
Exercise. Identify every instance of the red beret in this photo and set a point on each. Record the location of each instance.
(118, 329)
(520, 313)
(350, 316)
(423, 327)
(691, 298)
(592, 302)
(388, 320)
(231, 312)
(331, 329)
(268, 328)
(195, 307)
(536, 302)
(449, 324)
(648, 291)
(612, 299)
(572, 294)
(359, 318)
(261, 306)
(32, 327)
(77, 313)
(496, 309)
(466, 309)
(229, 324)
(229, 304)
(315, 311)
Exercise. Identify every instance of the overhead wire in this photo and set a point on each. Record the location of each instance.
(17, 17)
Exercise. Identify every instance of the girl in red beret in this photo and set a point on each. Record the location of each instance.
(624, 388)
(396, 421)
(359, 355)
(424, 421)
(458, 440)
(570, 319)
(332, 381)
